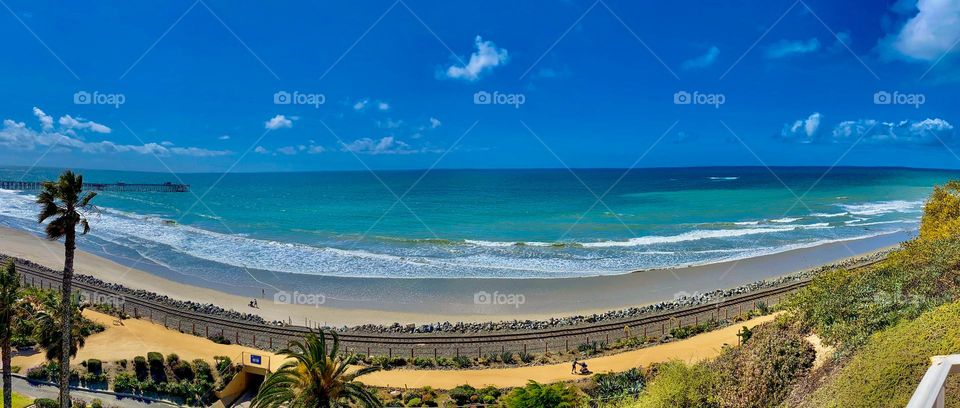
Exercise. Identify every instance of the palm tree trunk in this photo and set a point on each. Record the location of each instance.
(7, 371)
(66, 293)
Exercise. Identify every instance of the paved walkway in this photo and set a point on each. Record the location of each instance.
(27, 388)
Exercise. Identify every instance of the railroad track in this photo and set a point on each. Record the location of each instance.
(425, 341)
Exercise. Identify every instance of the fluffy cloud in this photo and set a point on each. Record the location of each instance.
(386, 145)
(933, 31)
(361, 104)
(787, 48)
(932, 132)
(434, 123)
(224, 137)
(383, 106)
(46, 121)
(261, 150)
(17, 136)
(481, 62)
(278, 122)
(702, 61)
(69, 123)
(803, 130)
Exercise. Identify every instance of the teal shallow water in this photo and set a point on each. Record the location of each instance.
(486, 223)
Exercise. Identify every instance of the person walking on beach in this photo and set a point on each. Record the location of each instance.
(573, 368)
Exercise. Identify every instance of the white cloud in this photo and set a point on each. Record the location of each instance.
(261, 150)
(434, 123)
(933, 132)
(16, 135)
(803, 130)
(361, 104)
(287, 150)
(278, 122)
(481, 62)
(46, 121)
(312, 149)
(68, 123)
(389, 124)
(702, 61)
(383, 106)
(929, 34)
(224, 137)
(386, 145)
(787, 48)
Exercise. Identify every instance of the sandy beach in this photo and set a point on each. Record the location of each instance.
(354, 301)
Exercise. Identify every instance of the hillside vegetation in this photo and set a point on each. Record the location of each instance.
(885, 321)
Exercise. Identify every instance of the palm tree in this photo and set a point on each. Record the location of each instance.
(48, 330)
(315, 376)
(9, 296)
(65, 202)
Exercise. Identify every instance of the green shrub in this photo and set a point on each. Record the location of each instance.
(845, 307)
(423, 362)
(677, 384)
(96, 403)
(761, 371)
(536, 395)
(462, 361)
(95, 366)
(887, 370)
(38, 373)
(461, 394)
(172, 359)
(414, 402)
(223, 362)
(183, 370)
(140, 367)
(203, 372)
(617, 385)
(445, 362)
(124, 382)
(155, 359)
(46, 403)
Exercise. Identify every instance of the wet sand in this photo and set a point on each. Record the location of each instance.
(354, 301)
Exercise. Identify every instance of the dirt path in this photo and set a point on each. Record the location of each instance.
(129, 338)
(133, 337)
(696, 348)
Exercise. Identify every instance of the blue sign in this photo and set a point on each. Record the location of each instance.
(254, 359)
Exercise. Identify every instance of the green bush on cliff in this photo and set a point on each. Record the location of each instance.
(887, 370)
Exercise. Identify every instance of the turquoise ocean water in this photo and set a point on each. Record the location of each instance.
(485, 223)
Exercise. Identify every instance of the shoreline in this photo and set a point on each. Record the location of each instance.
(435, 300)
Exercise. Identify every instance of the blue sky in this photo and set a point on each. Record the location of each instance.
(191, 86)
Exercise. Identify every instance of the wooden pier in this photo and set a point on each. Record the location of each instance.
(118, 187)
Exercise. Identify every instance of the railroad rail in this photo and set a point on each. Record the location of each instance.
(271, 337)
(118, 186)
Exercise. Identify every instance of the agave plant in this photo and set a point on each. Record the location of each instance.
(315, 376)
